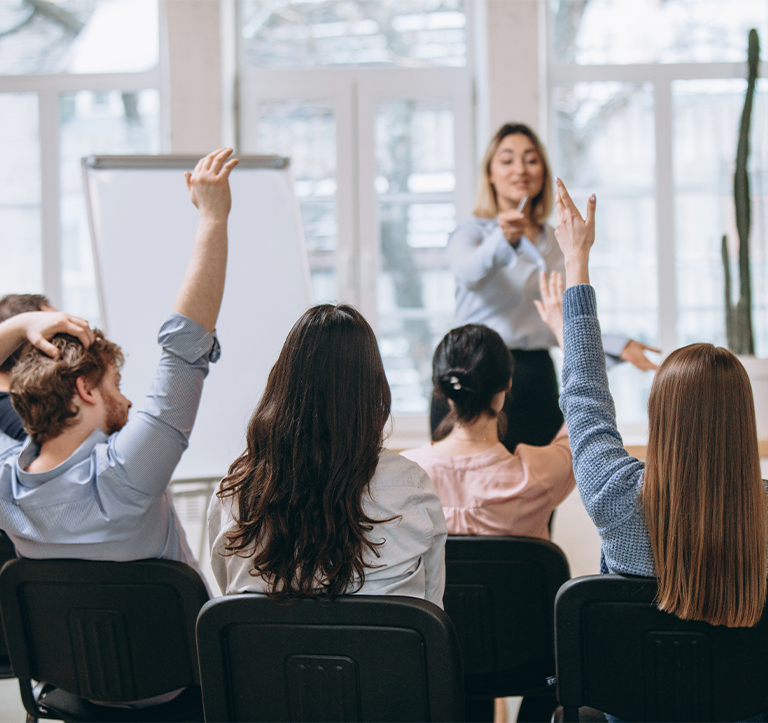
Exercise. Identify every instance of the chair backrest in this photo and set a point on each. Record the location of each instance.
(7, 552)
(616, 651)
(105, 631)
(500, 594)
(358, 658)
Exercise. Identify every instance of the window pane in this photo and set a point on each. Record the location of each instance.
(95, 123)
(303, 33)
(655, 31)
(305, 131)
(21, 268)
(414, 143)
(78, 36)
(605, 145)
(707, 114)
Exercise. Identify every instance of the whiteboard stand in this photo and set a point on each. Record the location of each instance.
(142, 230)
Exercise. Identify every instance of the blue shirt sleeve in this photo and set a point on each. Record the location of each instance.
(609, 479)
(473, 257)
(149, 447)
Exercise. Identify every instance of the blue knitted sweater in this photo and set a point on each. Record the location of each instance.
(609, 479)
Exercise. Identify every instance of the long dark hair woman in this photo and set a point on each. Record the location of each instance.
(315, 504)
(497, 257)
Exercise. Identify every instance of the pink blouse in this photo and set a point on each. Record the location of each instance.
(499, 493)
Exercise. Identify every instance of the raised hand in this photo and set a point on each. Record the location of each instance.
(550, 307)
(575, 235)
(208, 184)
(634, 353)
(38, 327)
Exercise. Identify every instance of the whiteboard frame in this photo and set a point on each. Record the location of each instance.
(183, 163)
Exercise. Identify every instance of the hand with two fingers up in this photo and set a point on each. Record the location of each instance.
(575, 235)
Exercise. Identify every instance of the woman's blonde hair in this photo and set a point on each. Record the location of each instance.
(703, 500)
(487, 204)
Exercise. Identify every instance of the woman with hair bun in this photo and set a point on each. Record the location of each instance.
(484, 488)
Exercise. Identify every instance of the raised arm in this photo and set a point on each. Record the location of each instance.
(608, 478)
(201, 291)
(149, 447)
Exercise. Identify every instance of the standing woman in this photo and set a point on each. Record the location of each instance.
(497, 257)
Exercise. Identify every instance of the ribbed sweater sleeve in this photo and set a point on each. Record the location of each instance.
(609, 479)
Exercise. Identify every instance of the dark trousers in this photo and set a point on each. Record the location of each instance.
(532, 409)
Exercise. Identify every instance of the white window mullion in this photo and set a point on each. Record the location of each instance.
(347, 200)
(665, 216)
(368, 213)
(48, 105)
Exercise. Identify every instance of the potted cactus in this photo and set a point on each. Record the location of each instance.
(738, 316)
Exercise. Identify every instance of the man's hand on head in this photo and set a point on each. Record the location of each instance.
(208, 184)
(40, 326)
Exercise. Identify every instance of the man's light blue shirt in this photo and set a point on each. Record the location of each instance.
(109, 500)
(496, 283)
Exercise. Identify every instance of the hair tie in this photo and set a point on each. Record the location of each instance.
(454, 382)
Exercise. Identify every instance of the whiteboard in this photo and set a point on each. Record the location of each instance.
(142, 228)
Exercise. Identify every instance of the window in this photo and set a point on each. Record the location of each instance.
(394, 33)
(77, 77)
(645, 104)
(380, 138)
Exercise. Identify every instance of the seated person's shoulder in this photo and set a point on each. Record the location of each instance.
(394, 470)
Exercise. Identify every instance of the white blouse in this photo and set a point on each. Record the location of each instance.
(411, 560)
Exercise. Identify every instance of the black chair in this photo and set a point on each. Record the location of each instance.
(359, 658)
(7, 552)
(500, 594)
(617, 652)
(112, 632)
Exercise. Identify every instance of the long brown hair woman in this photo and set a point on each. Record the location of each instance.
(315, 504)
(695, 514)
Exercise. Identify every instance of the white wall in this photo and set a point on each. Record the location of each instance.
(507, 49)
(507, 62)
(194, 78)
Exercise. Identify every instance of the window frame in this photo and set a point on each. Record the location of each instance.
(49, 88)
(661, 76)
(355, 93)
